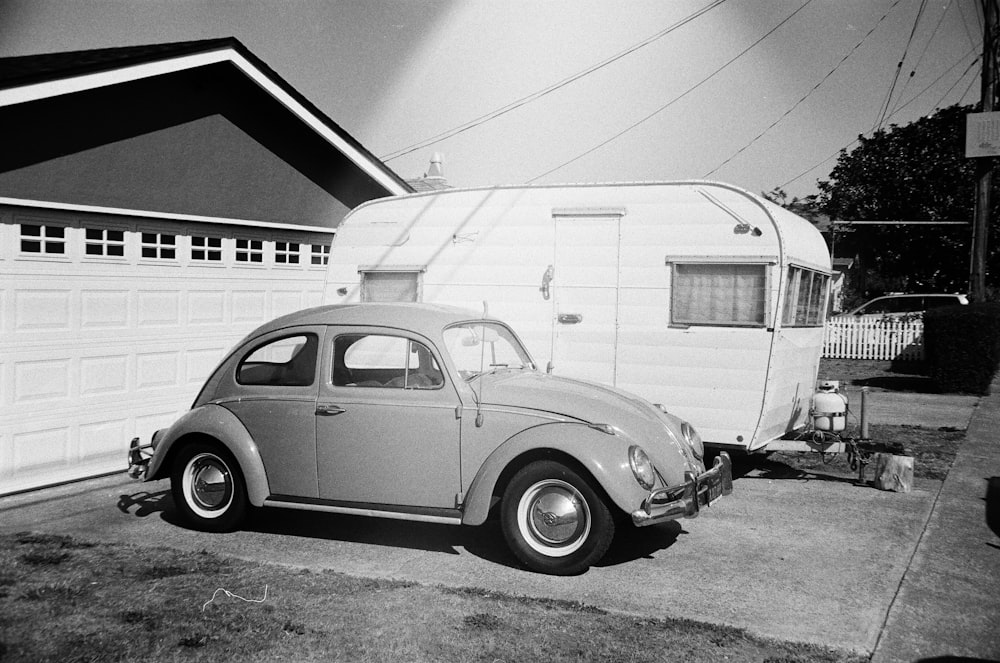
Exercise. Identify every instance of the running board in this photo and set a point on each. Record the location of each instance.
(363, 511)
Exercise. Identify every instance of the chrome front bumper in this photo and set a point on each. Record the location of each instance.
(686, 500)
(139, 456)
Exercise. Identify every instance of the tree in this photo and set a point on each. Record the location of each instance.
(807, 207)
(914, 172)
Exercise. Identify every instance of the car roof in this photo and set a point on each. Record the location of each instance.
(917, 294)
(425, 319)
(959, 297)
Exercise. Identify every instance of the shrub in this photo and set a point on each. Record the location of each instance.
(962, 347)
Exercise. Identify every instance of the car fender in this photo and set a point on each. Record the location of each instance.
(212, 420)
(604, 456)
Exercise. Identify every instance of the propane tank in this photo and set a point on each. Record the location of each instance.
(829, 411)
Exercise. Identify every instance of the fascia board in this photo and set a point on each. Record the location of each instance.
(168, 216)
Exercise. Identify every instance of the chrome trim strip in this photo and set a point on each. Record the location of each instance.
(360, 511)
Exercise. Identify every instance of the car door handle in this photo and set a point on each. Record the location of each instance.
(570, 318)
(329, 410)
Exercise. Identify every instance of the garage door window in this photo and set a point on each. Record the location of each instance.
(105, 242)
(286, 253)
(159, 246)
(320, 254)
(37, 238)
(250, 250)
(206, 249)
(718, 294)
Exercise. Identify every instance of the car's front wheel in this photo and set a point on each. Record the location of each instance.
(208, 488)
(554, 521)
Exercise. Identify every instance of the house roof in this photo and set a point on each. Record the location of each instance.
(59, 104)
(28, 69)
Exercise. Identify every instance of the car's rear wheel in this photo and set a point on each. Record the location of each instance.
(208, 488)
(554, 521)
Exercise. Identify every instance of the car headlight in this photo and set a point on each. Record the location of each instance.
(693, 439)
(641, 466)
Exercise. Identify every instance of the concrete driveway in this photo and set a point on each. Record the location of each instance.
(797, 557)
(913, 409)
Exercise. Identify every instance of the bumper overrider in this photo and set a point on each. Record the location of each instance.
(685, 500)
(139, 456)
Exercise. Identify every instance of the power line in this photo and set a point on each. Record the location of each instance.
(799, 102)
(965, 24)
(972, 82)
(884, 108)
(927, 44)
(672, 101)
(968, 87)
(900, 108)
(444, 135)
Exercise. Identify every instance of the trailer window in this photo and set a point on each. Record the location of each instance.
(806, 294)
(385, 286)
(718, 294)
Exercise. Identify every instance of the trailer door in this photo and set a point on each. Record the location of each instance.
(585, 333)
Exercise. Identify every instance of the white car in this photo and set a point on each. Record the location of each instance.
(901, 305)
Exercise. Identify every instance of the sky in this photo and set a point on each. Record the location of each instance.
(756, 93)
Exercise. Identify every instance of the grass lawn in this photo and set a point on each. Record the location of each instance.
(67, 600)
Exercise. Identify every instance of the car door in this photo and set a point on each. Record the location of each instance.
(387, 432)
(277, 383)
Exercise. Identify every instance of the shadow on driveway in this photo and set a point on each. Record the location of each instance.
(759, 466)
(485, 541)
(992, 500)
(147, 503)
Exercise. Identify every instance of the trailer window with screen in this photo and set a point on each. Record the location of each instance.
(718, 294)
(805, 298)
(390, 286)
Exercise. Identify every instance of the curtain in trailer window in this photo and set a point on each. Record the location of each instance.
(718, 294)
(389, 286)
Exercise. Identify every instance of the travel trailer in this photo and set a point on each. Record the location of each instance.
(698, 296)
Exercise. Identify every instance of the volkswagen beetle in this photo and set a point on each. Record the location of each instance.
(428, 413)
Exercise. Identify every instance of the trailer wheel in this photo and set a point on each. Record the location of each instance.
(554, 521)
(208, 488)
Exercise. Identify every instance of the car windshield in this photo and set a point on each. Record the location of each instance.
(480, 347)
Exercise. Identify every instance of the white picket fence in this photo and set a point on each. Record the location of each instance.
(901, 340)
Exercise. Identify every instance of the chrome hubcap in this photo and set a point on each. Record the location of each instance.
(209, 485)
(554, 518)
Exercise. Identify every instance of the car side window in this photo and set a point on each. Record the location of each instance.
(885, 305)
(285, 362)
(938, 302)
(376, 360)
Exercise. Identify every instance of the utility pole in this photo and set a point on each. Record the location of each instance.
(984, 166)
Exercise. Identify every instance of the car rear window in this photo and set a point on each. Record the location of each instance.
(289, 362)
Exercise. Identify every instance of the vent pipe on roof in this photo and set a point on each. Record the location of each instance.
(437, 167)
(433, 179)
